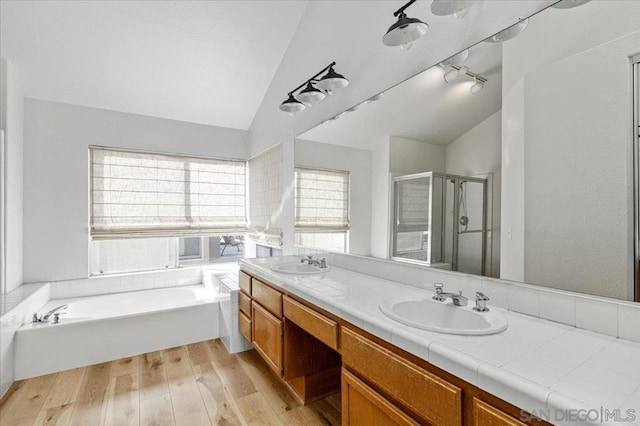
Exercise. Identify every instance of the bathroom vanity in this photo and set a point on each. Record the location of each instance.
(318, 347)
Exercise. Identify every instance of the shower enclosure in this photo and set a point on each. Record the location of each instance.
(440, 220)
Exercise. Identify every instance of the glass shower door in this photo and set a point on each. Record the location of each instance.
(471, 227)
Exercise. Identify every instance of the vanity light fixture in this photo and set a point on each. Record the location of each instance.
(456, 59)
(405, 31)
(508, 33)
(311, 95)
(457, 8)
(315, 90)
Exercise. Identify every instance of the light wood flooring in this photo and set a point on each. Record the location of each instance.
(198, 384)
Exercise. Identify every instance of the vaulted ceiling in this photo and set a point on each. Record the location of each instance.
(226, 63)
(207, 62)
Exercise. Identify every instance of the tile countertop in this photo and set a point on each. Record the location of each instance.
(569, 375)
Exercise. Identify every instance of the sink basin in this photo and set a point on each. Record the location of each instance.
(444, 317)
(299, 269)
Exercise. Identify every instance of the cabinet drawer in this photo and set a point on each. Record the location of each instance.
(267, 336)
(361, 405)
(268, 297)
(319, 326)
(429, 396)
(244, 303)
(488, 415)
(244, 323)
(244, 282)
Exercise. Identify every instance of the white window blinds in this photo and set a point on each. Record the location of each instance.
(413, 204)
(322, 200)
(137, 194)
(265, 196)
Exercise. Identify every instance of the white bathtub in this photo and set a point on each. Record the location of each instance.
(103, 328)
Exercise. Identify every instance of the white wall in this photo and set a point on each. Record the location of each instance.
(56, 174)
(409, 156)
(570, 107)
(380, 208)
(358, 163)
(12, 122)
(479, 152)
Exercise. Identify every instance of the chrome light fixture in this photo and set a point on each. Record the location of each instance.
(405, 31)
(509, 33)
(457, 71)
(315, 90)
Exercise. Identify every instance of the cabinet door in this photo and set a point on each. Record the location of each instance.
(428, 395)
(361, 405)
(488, 415)
(244, 323)
(267, 336)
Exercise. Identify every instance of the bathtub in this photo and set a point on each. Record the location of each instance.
(103, 328)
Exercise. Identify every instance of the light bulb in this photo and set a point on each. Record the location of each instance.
(477, 87)
(460, 12)
(405, 40)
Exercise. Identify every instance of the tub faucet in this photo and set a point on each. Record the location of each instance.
(52, 313)
(441, 296)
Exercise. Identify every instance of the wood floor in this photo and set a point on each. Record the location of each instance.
(198, 384)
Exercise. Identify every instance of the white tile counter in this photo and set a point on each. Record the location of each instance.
(542, 366)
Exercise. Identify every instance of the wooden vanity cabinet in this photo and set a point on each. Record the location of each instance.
(244, 315)
(423, 393)
(316, 353)
(267, 335)
(488, 415)
(361, 405)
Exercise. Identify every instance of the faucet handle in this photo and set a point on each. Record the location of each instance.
(438, 287)
(480, 296)
(481, 302)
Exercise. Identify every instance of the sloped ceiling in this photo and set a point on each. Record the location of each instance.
(350, 33)
(208, 62)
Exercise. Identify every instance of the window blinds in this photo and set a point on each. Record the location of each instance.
(265, 196)
(413, 204)
(137, 194)
(322, 200)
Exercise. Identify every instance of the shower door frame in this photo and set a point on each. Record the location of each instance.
(456, 214)
(635, 62)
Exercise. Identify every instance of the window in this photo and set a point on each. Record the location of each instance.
(322, 209)
(190, 248)
(137, 194)
(156, 211)
(265, 195)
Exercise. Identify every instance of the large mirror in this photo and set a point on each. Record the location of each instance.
(526, 176)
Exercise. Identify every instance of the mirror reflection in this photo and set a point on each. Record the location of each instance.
(512, 159)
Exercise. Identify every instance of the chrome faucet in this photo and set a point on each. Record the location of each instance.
(481, 302)
(52, 313)
(321, 263)
(441, 296)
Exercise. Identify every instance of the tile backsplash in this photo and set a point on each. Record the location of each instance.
(607, 316)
